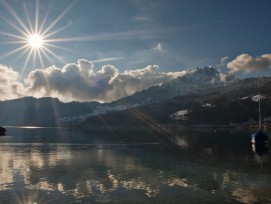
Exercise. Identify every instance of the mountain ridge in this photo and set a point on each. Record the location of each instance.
(197, 85)
(195, 80)
(41, 111)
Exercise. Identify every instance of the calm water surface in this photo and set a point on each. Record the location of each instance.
(84, 165)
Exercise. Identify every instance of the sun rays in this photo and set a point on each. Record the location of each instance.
(32, 36)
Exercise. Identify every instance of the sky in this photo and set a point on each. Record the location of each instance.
(103, 50)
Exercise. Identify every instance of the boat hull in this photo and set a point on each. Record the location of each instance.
(2, 131)
(259, 138)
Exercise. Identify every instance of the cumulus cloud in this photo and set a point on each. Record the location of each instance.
(80, 82)
(10, 87)
(247, 63)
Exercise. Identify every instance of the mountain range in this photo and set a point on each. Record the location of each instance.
(202, 95)
(195, 80)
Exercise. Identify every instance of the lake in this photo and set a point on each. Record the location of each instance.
(98, 165)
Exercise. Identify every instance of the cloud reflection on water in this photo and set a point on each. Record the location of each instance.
(103, 173)
(81, 173)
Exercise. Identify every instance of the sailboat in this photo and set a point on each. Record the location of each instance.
(260, 137)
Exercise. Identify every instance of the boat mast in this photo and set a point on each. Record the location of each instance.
(260, 117)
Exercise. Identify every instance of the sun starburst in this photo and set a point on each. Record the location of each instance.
(33, 37)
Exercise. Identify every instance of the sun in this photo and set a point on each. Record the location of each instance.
(35, 41)
(34, 35)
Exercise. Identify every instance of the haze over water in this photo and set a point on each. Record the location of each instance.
(84, 165)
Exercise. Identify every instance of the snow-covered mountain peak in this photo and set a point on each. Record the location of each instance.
(207, 74)
(197, 78)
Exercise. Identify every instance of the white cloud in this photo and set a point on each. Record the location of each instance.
(158, 47)
(107, 59)
(223, 61)
(140, 19)
(247, 63)
(10, 87)
(81, 83)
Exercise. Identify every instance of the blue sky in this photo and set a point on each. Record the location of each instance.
(231, 35)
